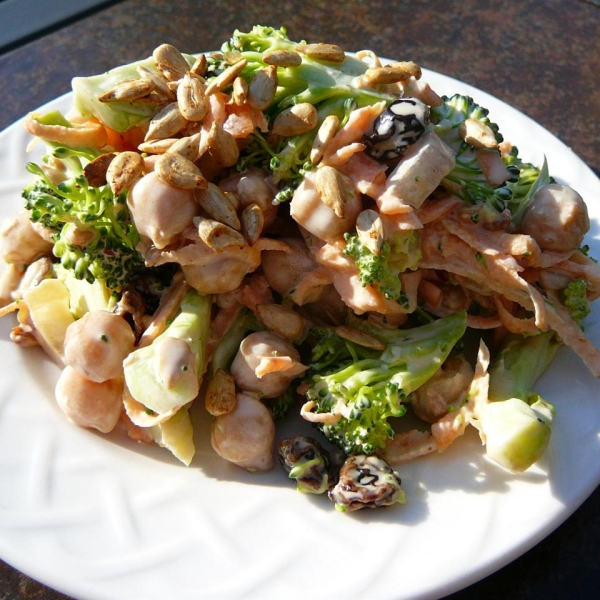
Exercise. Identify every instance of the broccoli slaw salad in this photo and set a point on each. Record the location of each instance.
(281, 231)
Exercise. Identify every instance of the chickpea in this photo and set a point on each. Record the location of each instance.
(309, 211)
(284, 270)
(20, 243)
(557, 218)
(266, 364)
(245, 435)
(89, 403)
(97, 344)
(160, 212)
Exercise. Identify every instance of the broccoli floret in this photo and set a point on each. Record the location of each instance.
(467, 179)
(92, 230)
(383, 270)
(361, 388)
(259, 39)
(575, 299)
(524, 187)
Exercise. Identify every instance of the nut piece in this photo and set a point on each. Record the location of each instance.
(199, 66)
(282, 58)
(324, 135)
(332, 189)
(282, 320)
(188, 146)
(356, 336)
(166, 123)
(227, 77)
(161, 87)
(170, 62)
(477, 134)
(124, 170)
(220, 395)
(253, 223)
(157, 146)
(191, 98)
(239, 93)
(95, 170)
(262, 88)
(217, 205)
(216, 235)
(175, 170)
(128, 91)
(295, 120)
(326, 52)
(369, 228)
(222, 146)
(394, 73)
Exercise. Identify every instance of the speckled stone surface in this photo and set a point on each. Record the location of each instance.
(541, 57)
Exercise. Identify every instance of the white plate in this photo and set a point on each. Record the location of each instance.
(99, 517)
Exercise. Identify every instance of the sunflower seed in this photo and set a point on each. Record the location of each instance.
(188, 146)
(326, 52)
(191, 98)
(217, 235)
(199, 66)
(177, 171)
(282, 58)
(161, 87)
(166, 123)
(157, 146)
(295, 120)
(324, 135)
(217, 205)
(220, 397)
(227, 77)
(95, 170)
(282, 320)
(332, 189)
(239, 93)
(253, 222)
(477, 134)
(170, 62)
(128, 91)
(232, 56)
(222, 146)
(359, 337)
(124, 170)
(262, 88)
(369, 228)
(392, 73)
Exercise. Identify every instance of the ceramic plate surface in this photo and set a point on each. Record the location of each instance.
(99, 517)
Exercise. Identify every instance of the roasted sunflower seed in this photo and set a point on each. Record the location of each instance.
(217, 235)
(191, 97)
(327, 130)
(128, 91)
(262, 88)
(296, 120)
(166, 123)
(217, 205)
(177, 171)
(170, 62)
(124, 170)
(326, 52)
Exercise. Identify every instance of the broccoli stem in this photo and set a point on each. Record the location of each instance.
(519, 363)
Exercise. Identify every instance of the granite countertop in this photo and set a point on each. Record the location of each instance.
(541, 57)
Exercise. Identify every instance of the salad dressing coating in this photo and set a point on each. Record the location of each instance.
(290, 230)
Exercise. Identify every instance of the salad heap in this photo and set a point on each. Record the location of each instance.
(280, 230)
